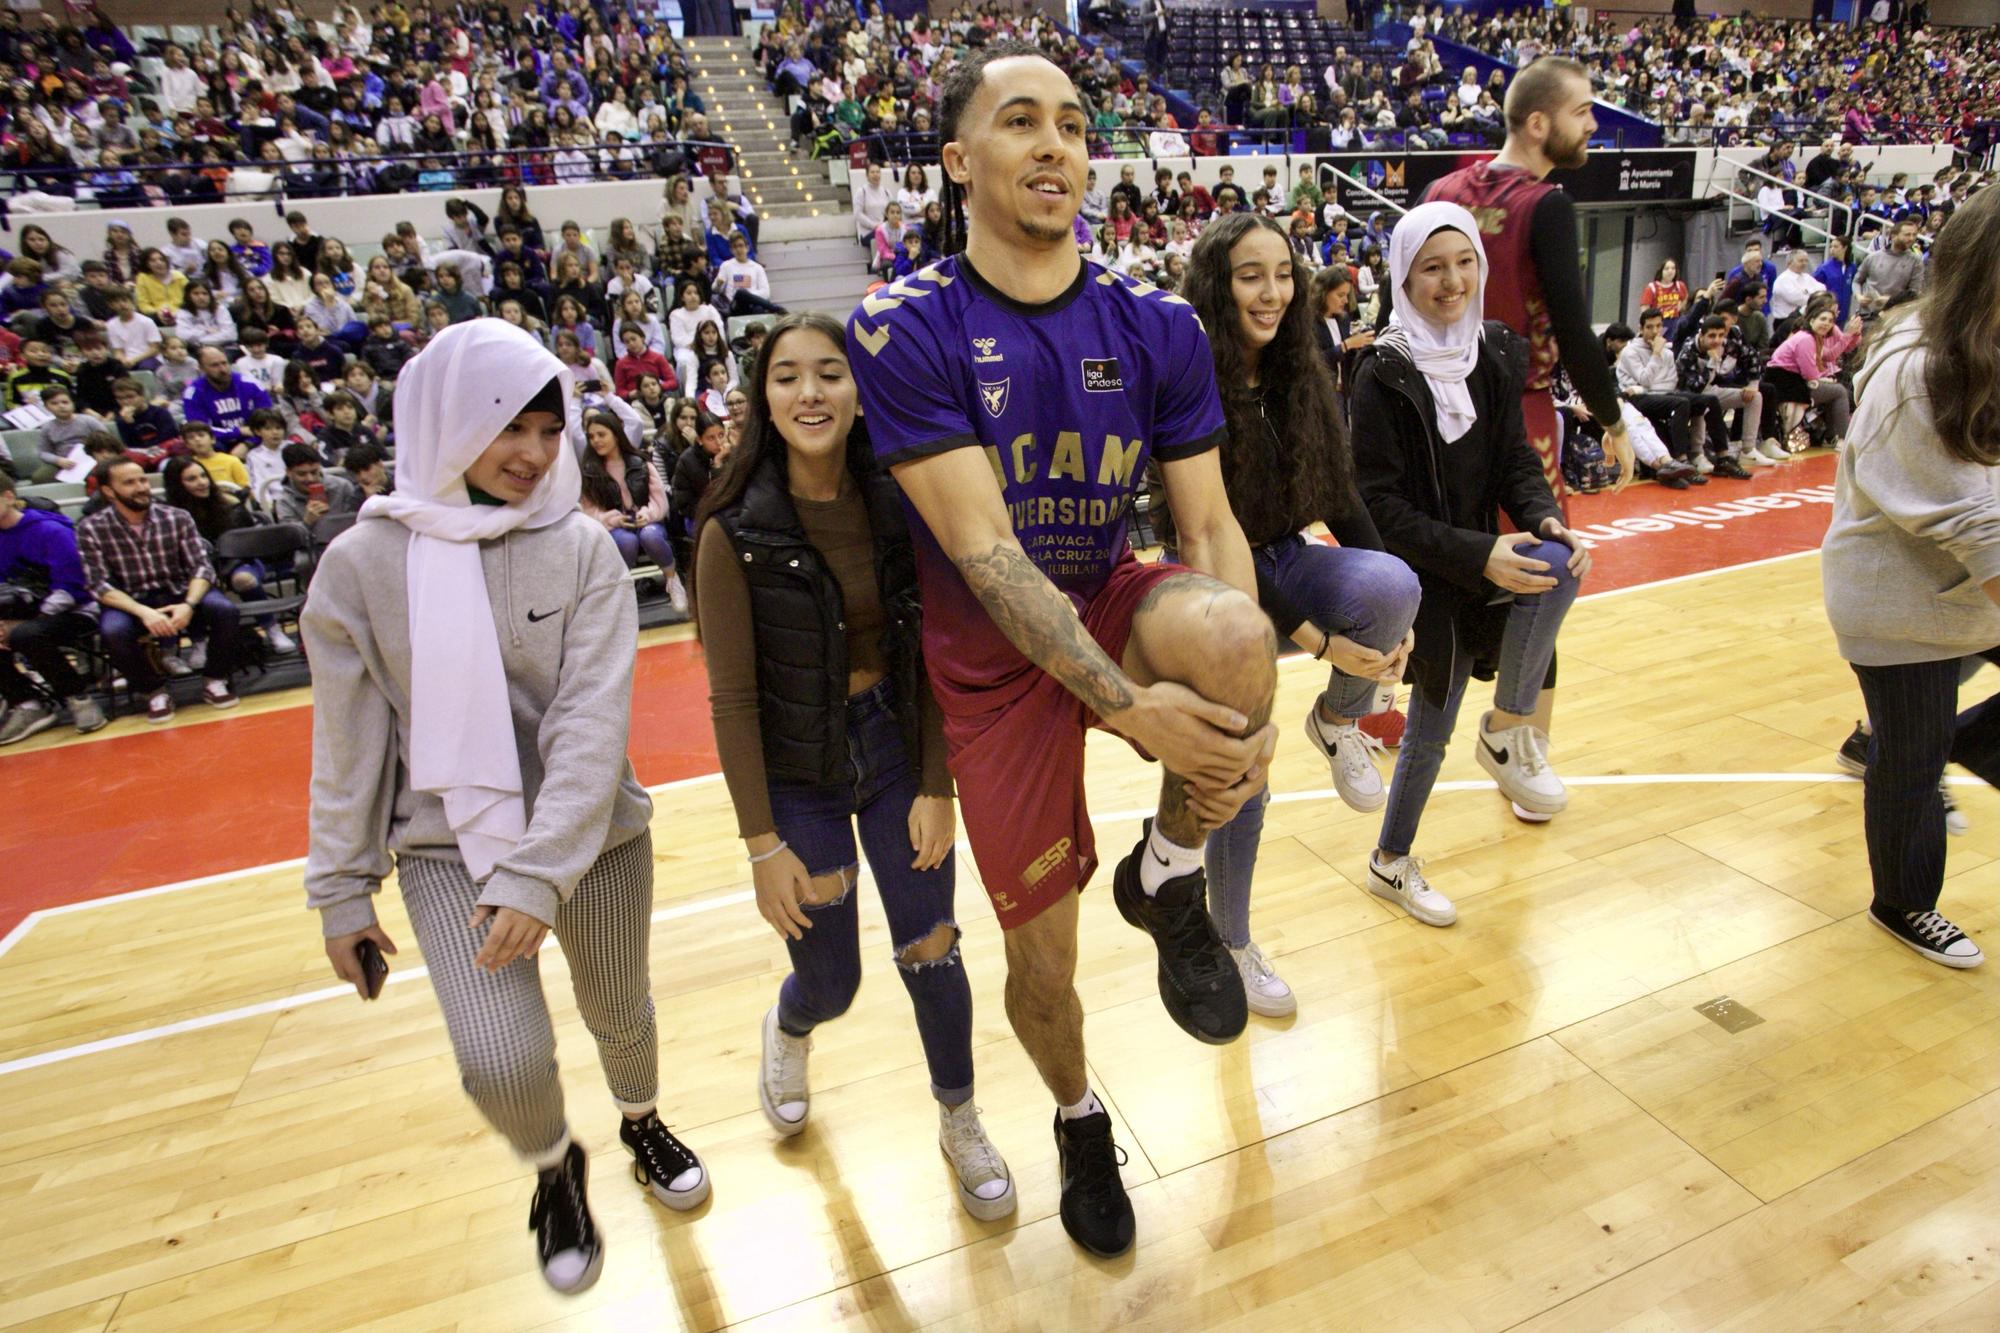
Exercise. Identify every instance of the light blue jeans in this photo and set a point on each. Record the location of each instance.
(1526, 649)
(1368, 596)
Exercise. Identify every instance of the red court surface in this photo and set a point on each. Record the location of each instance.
(153, 808)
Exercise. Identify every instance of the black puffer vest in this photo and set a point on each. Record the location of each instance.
(799, 619)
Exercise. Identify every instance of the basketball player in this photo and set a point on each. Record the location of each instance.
(1534, 286)
(1017, 393)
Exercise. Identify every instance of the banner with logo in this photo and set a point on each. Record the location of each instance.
(1608, 176)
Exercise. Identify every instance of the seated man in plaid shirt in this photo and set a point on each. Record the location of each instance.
(151, 574)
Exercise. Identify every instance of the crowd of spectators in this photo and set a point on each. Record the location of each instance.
(397, 99)
(251, 382)
(1749, 79)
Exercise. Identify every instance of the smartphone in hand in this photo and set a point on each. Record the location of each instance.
(374, 969)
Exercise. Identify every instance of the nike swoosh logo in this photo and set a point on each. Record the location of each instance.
(535, 617)
(1499, 756)
(1157, 857)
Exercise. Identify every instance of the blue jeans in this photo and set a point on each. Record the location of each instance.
(1368, 596)
(1526, 649)
(819, 823)
(652, 539)
(124, 637)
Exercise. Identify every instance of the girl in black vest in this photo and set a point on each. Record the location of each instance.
(806, 602)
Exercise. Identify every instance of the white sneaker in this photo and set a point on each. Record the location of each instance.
(1349, 753)
(1516, 762)
(985, 1185)
(1749, 457)
(1772, 449)
(1262, 986)
(677, 594)
(197, 654)
(1955, 822)
(1702, 464)
(280, 641)
(781, 1082)
(1402, 882)
(176, 665)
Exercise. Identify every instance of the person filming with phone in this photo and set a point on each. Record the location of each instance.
(310, 493)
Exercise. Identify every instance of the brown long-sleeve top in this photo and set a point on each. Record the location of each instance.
(839, 529)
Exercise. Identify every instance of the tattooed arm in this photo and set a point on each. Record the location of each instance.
(960, 501)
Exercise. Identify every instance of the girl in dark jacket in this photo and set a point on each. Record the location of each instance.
(1441, 455)
(805, 596)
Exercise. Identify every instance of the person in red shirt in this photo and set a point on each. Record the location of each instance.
(637, 360)
(1666, 293)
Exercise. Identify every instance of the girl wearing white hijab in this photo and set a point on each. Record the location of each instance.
(472, 641)
(1440, 456)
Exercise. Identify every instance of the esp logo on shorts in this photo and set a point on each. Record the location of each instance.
(1100, 375)
(1038, 869)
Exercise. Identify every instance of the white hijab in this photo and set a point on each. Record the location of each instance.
(1444, 353)
(453, 401)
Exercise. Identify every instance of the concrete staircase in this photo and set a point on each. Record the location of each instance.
(807, 239)
(748, 116)
(815, 264)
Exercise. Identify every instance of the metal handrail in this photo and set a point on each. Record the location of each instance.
(1830, 202)
(1801, 223)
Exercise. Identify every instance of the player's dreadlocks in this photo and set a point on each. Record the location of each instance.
(957, 94)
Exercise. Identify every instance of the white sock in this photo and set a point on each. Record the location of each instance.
(1164, 860)
(553, 1158)
(1088, 1106)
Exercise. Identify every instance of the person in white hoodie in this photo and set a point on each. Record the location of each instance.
(871, 199)
(472, 640)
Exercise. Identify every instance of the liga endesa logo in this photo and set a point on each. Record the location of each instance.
(1710, 516)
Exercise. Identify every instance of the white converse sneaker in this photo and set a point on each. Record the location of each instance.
(1350, 753)
(1516, 762)
(1262, 986)
(1402, 882)
(985, 1185)
(781, 1081)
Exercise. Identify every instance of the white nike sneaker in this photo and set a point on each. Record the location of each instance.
(1515, 761)
(1350, 754)
(1402, 882)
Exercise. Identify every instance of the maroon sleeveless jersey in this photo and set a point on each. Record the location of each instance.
(1503, 201)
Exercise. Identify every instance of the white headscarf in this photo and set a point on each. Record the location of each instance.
(453, 401)
(1444, 353)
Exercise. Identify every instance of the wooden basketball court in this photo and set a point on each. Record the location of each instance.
(1538, 1119)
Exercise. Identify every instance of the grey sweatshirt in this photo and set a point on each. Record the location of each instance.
(1888, 275)
(1915, 531)
(569, 687)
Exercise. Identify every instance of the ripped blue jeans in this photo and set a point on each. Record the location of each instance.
(819, 824)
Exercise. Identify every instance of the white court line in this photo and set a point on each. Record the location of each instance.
(20, 931)
(715, 902)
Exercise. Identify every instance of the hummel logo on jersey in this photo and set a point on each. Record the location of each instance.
(982, 350)
(1100, 375)
(994, 396)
